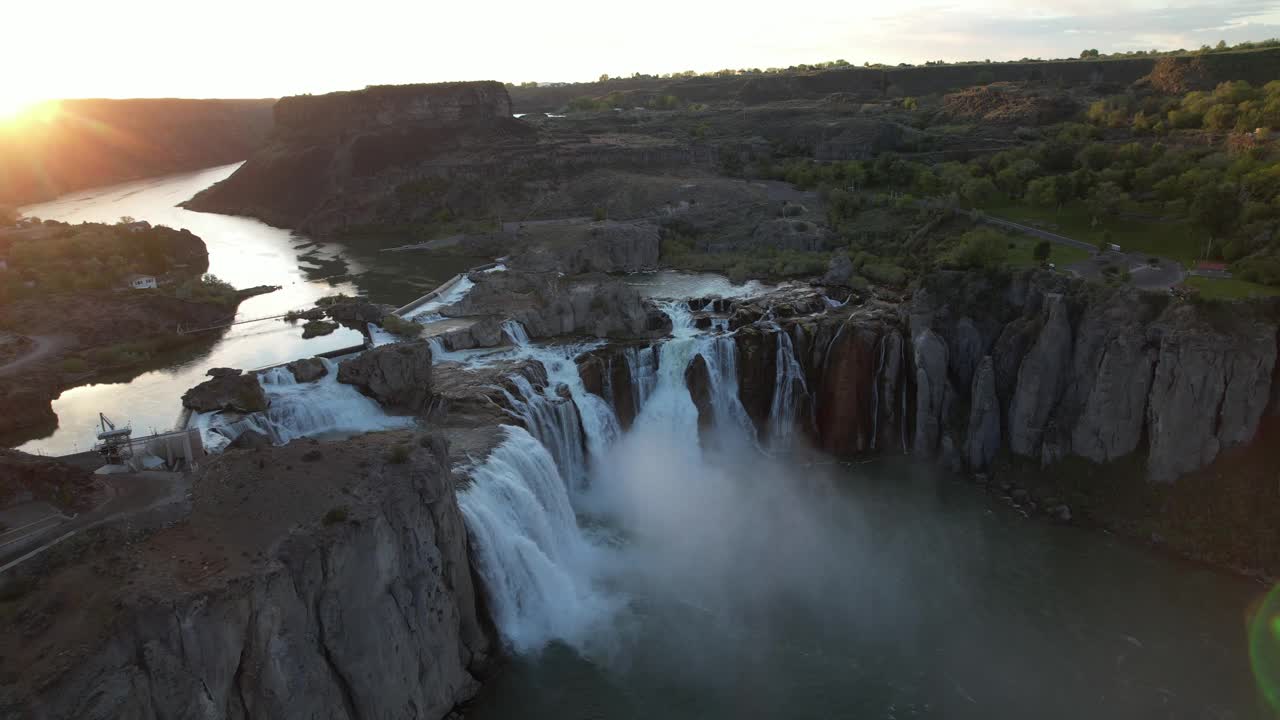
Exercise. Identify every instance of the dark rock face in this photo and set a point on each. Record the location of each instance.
(984, 417)
(250, 440)
(397, 375)
(698, 379)
(606, 373)
(846, 421)
(600, 306)
(1041, 377)
(1092, 372)
(23, 409)
(1208, 393)
(839, 270)
(227, 390)
(933, 390)
(757, 373)
(337, 159)
(307, 369)
(604, 247)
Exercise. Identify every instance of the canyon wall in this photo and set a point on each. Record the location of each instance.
(1037, 366)
(78, 144)
(262, 604)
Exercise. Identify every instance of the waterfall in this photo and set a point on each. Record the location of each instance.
(516, 333)
(668, 407)
(642, 366)
(296, 410)
(554, 422)
(575, 432)
(788, 375)
(732, 423)
(528, 547)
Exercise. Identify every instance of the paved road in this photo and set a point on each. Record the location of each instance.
(1043, 234)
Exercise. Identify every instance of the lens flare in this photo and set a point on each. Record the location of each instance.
(1264, 647)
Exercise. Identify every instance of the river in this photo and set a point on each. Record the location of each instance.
(246, 253)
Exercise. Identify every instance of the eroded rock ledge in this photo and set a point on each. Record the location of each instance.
(312, 580)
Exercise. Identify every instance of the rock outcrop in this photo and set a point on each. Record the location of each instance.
(1041, 377)
(598, 247)
(983, 441)
(547, 306)
(1087, 371)
(227, 389)
(337, 159)
(398, 375)
(365, 610)
(308, 369)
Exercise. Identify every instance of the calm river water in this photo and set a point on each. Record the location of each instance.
(246, 253)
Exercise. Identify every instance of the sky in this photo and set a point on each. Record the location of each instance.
(272, 48)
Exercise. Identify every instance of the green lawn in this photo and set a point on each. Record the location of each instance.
(1173, 240)
(1022, 254)
(1230, 289)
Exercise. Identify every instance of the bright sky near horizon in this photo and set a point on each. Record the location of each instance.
(270, 48)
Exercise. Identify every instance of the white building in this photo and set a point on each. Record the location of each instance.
(142, 282)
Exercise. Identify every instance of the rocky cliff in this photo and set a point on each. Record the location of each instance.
(342, 152)
(1036, 366)
(86, 143)
(333, 583)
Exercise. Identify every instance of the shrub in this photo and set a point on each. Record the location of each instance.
(336, 515)
(399, 455)
(74, 365)
(599, 214)
(397, 325)
(982, 248)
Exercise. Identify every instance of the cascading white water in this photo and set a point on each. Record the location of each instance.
(668, 408)
(535, 562)
(788, 389)
(529, 545)
(554, 421)
(428, 312)
(642, 366)
(296, 410)
(589, 423)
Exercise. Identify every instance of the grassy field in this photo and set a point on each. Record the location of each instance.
(1173, 240)
(1022, 254)
(1230, 289)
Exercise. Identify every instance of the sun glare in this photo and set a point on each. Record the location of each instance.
(19, 110)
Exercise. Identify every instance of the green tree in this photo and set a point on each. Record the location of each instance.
(1042, 251)
(1091, 53)
(1105, 200)
(982, 248)
(1214, 210)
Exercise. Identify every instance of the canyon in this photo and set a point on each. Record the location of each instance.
(569, 452)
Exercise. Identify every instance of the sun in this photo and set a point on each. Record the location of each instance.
(16, 109)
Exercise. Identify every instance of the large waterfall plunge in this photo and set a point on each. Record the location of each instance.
(546, 579)
(538, 567)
